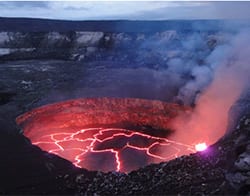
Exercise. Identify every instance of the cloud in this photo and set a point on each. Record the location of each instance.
(23, 4)
(106, 9)
(231, 10)
(133, 10)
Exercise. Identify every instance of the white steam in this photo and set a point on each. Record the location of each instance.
(228, 66)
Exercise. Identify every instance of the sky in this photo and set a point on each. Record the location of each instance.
(127, 10)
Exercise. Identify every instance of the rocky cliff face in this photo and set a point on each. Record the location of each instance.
(79, 45)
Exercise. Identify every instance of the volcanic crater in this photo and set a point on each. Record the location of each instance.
(106, 134)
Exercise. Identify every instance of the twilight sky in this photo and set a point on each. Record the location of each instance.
(131, 10)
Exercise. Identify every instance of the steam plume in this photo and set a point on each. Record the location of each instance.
(231, 67)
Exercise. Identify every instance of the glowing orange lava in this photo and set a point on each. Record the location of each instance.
(107, 134)
(109, 141)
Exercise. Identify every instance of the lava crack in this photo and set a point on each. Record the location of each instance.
(107, 134)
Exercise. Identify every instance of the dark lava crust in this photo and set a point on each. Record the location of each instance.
(219, 170)
(25, 169)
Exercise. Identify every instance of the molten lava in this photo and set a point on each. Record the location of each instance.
(107, 134)
(201, 146)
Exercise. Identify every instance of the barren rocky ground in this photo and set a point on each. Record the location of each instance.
(45, 67)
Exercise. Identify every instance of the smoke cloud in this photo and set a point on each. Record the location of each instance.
(221, 83)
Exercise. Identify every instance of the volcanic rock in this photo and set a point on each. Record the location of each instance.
(223, 169)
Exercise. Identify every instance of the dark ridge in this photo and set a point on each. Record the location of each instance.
(41, 25)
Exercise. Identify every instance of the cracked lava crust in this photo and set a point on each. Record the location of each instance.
(106, 134)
